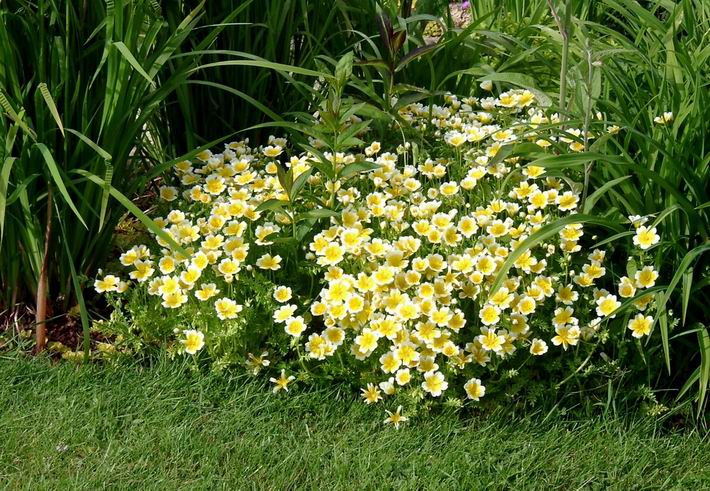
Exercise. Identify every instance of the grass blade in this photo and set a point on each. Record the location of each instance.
(4, 181)
(134, 210)
(51, 105)
(57, 177)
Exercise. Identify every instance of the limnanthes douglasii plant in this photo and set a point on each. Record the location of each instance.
(435, 273)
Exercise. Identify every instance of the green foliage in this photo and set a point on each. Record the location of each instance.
(634, 64)
(223, 98)
(83, 96)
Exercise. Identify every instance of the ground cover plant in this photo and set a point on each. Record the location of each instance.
(390, 267)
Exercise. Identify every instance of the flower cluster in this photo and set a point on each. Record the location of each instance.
(429, 274)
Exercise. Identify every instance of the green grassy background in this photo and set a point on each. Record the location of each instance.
(163, 427)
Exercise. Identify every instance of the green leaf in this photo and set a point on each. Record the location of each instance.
(57, 177)
(4, 181)
(319, 213)
(704, 342)
(594, 197)
(106, 193)
(299, 183)
(344, 69)
(541, 235)
(51, 105)
(681, 269)
(357, 167)
(263, 64)
(285, 178)
(662, 317)
(123, 49)
(686, 291)
(415, 54)
(103, 153)
(135, 211)
(17, 118)
(83, 313)
(271, 204)
(353, 130)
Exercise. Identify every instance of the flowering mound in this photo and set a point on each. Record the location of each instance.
(403, 271)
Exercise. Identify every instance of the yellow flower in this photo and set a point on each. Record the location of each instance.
(434, 383)
(272, 151)
(174, 300)
(407, 353)
(626, 288)
(526, 305)
(389, 362)
(373, 149)
(538, 347)
(282, 382)
(640, 325)
(664, 118)
(371, 394)
(284, 313)
(269, 262)
(607, 304)
(566, 336)
(206, 291)
(317, 347)
(194, 341)
(366, 342)
(403, 376)
(489, 314)
(474, 389)
(282, 294)
(200, 260)
(646, 237)
(227, 308)
(564, 316)
(646, 278)
(395, 418)
(456, 139)
(214, 184)
(109, 283)
(331, 255)
(490, 340)
(190, 276)
(567, 201)
(567, 295)
(166, 265)
(295, 326)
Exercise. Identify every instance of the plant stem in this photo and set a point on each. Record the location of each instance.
(565, 52)
(41, 300)
(587, 116)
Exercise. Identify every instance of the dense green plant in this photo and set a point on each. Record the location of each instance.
(643, 69)
(81, 92)
(226, 98)
(654, 62)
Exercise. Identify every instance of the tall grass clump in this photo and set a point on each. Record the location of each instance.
(657, 93)
(82, 92)
(227, 98)
(640, 72)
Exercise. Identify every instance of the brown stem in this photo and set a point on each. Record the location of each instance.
(41, 314)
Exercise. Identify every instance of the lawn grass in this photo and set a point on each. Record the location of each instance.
(163, 427)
